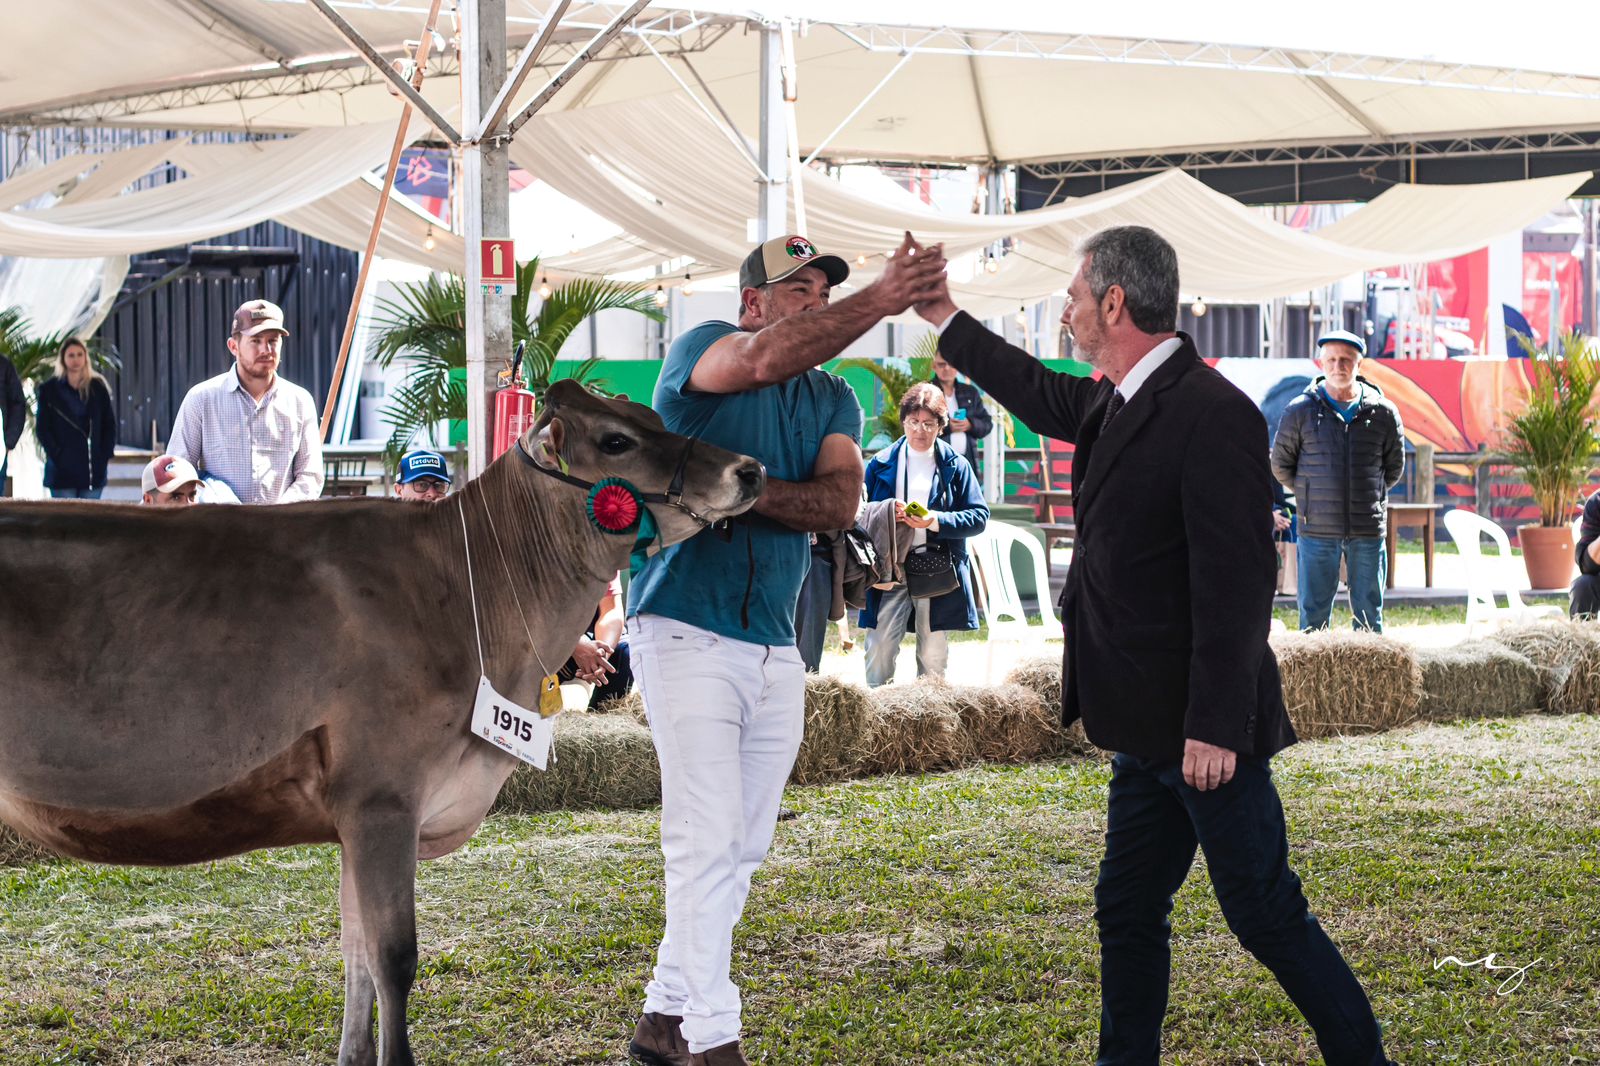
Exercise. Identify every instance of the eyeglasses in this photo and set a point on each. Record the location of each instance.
(922, 427)
(428, 487)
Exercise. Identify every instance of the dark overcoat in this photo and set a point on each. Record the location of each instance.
(1168, 600)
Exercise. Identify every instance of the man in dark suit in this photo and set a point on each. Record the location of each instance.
(1167, 606)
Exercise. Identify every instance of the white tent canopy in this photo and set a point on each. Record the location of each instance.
(665, 175)
(662, 172)
(1009, 80)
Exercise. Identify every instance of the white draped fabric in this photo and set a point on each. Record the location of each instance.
(662, 171)
(282, 176)
(664, 174)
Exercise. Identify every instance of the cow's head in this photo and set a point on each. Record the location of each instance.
(597, 438)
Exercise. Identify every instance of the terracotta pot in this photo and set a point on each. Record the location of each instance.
(1547, 552)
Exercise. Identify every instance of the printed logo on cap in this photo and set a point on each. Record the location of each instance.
(431, 461)
(800, 248)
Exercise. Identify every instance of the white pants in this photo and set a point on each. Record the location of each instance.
(727, 717)
(896, 611)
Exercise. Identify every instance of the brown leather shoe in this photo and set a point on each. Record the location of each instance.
(722, 1055)
(657, 1041)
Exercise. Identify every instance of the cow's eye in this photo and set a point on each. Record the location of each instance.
(615, 444)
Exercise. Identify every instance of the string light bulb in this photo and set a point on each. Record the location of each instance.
(428, 242)
(660, 296)
(1198, 308)
(1022, 317)
(861, 260)
(991, 264)
(688, 285)
(544, 287)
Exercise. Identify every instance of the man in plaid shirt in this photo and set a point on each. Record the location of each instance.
(249, 427)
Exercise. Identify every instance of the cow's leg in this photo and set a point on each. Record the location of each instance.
(356, 1046)
(381, 850)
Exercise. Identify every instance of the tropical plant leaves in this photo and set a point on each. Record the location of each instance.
(427, 322)
(1552, 441)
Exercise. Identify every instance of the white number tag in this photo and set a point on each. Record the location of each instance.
(511, 727)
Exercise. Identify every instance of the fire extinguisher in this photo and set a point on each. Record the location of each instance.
(513, 406)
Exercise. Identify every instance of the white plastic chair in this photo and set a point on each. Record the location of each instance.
(1486, 576)
(997, 588)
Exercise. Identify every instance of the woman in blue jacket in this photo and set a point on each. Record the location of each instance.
(77, 425)
(922, 468)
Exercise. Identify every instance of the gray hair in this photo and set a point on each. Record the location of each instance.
(1145, 266)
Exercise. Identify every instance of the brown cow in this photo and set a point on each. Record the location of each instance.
(329, 667)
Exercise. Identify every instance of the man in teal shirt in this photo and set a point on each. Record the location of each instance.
(711, 623)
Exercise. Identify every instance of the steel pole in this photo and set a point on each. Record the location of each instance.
(486, 209)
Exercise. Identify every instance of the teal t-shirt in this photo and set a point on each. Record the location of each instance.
(717, 584)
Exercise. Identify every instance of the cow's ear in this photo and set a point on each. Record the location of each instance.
(547, 445)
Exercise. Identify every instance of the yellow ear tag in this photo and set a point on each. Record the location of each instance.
(549, 697)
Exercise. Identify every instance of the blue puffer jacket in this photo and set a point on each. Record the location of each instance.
(957, 502)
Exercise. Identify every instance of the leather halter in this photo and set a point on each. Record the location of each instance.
(673, 497)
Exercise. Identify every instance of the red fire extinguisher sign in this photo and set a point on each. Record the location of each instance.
(499, 265)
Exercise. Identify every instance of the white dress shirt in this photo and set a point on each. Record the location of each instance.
(267, 452)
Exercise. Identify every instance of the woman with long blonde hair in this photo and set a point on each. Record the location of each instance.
(77, 425)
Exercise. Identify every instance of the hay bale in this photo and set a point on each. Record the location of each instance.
(1570, 653)
(836, 717)
(1339, 682)
(1579, 691)
(17, 850)
(913, 728)
(1042, 675)
(1480, 679)
(1008, 723)
(599, 761)
(630, 705)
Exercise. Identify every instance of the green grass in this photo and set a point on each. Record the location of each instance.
(1400, 613)
(939, 919)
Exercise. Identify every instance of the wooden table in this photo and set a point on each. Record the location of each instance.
(1413, 516)
(1051, 501)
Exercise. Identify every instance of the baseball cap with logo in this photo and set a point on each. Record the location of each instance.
(776, 259)
(257, 316)
(1342, 336)
(420, 463)
(167, 474)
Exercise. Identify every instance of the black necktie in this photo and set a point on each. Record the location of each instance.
(1111, 410)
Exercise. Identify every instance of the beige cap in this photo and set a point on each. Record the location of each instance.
(776, 259)
(257, 316)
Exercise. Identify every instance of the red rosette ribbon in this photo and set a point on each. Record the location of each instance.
(614, 507)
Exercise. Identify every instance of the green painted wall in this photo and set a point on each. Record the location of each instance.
(636, 378)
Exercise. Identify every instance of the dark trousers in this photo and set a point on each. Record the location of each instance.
(811, 611)
(1155, 822)
(1585, 600)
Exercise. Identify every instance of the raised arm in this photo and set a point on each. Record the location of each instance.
(1047, 401)
(829, 500)
(752, 359)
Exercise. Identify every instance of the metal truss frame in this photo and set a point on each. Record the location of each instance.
(1367, 153)
(1209, 56)
(672, 33)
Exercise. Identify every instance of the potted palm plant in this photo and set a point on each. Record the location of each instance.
(1552, 444)
(427, 321)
